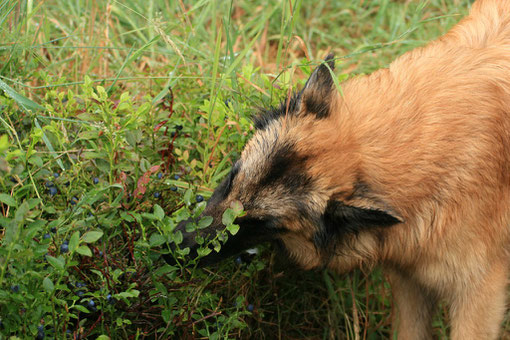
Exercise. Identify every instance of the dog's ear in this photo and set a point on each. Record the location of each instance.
(318, 90)
(340, 220)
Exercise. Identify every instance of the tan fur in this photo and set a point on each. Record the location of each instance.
(430, 136)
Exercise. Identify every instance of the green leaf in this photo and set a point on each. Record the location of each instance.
(103, 337)
(48, 285)
(237, 207)
(92, 236)
(74, 241)
(228, 217)
(205, 222)
(187, 197)
(81, 308)
(156, 240)
(233, 228)
(201, 252)
(159, 212)
(25, 103)
(56, 262)
(84, 250)
(7, 199)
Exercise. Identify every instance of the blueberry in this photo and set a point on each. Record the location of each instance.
(239, 260)
(90, 214)
(95, 180)
(66, 242)
(53, 230)
(67, 183)
(46, 236)
(53, 191)
(40, 335)
(13, 179)
(91, 303)
(100, 254)
(177, 177)
(74, 200)
(15, 288)
(40, 328)
(157, 194)
(64, 248)
(173, 188)
(49, 184)
(227, 102)
(173, 134)
(250, 308)
(199, 198)
(160, 175)
(178, 127)
(80, 293)
(56, 175)
(109, 298)
(80, 284)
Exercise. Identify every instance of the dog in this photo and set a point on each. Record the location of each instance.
(407, 168)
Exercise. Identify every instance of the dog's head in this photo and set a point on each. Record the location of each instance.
(297, 183)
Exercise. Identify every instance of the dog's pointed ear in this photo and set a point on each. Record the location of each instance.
(318, 90)
(340, 220)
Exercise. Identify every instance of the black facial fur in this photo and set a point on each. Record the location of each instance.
(290, 106)
(340, 220)
(225, 187)
(315, 96)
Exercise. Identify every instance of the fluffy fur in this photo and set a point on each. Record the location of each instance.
(409, 169)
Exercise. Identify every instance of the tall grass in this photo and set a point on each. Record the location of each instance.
(220, 60)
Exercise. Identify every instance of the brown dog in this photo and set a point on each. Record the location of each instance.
(408, 168)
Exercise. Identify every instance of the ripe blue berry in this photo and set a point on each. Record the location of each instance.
(40, 328)
(157, 194)
(173, 188)
(64, 248)
(56, 175)
(239, 260)
(15, 288)
(177, 177)
(100, 254)
(49, 184)
(160, 175)
(74, 200)
(91, 303)
(80, 293)
(95, 180)
(53, 191)
(46, 236)
(66, 242)
(53, 230)
(173, 134)
(250, 308)
(109, 298)
(178, 127)
(199, 198)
